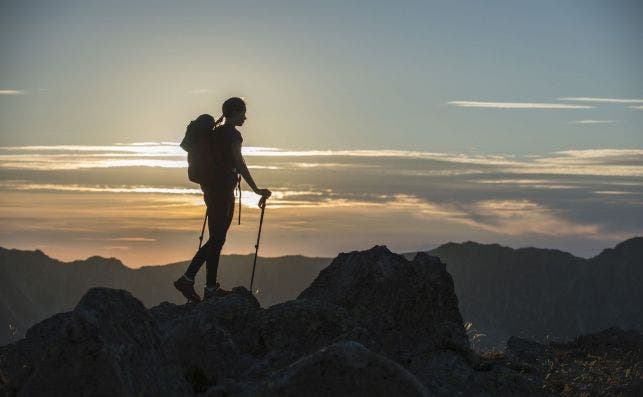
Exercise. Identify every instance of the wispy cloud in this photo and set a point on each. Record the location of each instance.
(516, 105)
(12, 92)
(516, 217)
(606, 162)
(640, 107)
(136, 239)
(600, 100)
(95, 189)
(593, 121)
(343, 198)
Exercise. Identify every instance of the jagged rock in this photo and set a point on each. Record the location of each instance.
(109, 346)
(613, 338)
(520, 349)
(169, 315)
(447, 373)
(364, 322)
(409, 308)
(303, 326)
(290, 330)
(345, 368)
(236, 312)
(18, 360)
(208, 339)
(606, 363)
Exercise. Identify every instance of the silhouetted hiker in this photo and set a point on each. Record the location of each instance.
(218, 193)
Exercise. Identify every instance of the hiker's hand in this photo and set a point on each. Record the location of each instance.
(264, 193)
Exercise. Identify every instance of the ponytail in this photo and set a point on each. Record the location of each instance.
(218, 121)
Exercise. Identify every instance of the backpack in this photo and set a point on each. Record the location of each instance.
(196, 142)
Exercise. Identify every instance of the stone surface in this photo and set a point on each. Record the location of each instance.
(345, 368)
(109, 346)
(409, 308)
(372, 323)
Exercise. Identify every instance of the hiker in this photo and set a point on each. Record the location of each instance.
(218, 194)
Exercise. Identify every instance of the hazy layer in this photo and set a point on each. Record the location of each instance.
(134, 202)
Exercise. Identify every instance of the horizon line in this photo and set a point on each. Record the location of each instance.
(321, 257)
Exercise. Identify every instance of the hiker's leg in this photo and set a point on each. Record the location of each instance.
(222, 212)
(201, 254)
(197, 261)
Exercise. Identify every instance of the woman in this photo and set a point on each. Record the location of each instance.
(218, 194)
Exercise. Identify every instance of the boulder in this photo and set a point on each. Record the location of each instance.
(235, 312)
(409, 308)
(525, 350)
(345, 368)
(18, 360)
(303, 326)
(208, 339)
(109, 346)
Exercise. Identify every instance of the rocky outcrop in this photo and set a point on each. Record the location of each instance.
(343, 368)
(108, 345)
(372, 323)
(409, 308)
(606, 363)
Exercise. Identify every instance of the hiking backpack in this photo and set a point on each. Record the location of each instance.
(196, 142)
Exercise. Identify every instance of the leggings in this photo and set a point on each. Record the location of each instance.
(220, 208)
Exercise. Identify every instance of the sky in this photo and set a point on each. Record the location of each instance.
(407, 124)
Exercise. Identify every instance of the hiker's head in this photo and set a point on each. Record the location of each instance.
(205, 121)
(234, 111)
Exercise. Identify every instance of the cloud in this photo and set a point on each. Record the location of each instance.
(12, 92)
(95, 189)
(137, 239)
(605, 162)
(600, 100)
(516, 217)
(640, 107)
(516, 105)
(593, 121)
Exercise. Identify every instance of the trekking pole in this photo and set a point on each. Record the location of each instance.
(262, 204)
(203, 229)
(239, 184)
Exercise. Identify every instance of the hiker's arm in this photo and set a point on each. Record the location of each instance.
(241, 167)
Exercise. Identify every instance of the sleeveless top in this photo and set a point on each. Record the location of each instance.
(224, 177)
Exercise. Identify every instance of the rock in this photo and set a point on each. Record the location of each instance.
(18, 360)
(613, 338)
(448, 373)
(372, 323)
(345, 368)
(169, 315)
(109, 346)
(520, 349)
(409, 308)
(303, 326)
(209, 338)
(290, 330)
(236, 312)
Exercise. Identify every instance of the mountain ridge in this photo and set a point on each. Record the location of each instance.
(503, 291)
(371, 323)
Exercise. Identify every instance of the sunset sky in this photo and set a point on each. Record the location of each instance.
(409, 124)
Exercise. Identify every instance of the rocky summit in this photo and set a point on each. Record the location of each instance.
(371, 323)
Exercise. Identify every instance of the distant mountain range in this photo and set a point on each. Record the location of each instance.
(530, 292)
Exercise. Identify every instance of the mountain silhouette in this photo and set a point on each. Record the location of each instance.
(546, 294)
(535, 293)
(371, 323)
(34, 286)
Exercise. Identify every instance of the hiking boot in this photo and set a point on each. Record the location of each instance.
(186, 287)
(209, 292)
